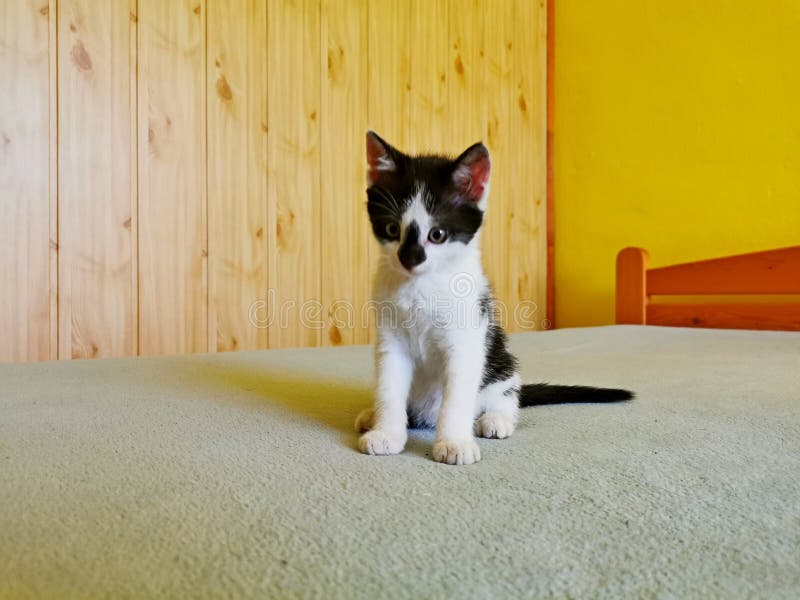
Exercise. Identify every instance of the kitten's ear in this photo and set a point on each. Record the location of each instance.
(471, 173)
(381, 157)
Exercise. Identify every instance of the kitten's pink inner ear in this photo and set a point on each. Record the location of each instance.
(471, 176)
(378, 158)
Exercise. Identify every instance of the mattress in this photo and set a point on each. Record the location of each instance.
(236, 475)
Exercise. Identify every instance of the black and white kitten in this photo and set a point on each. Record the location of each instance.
(441, 357)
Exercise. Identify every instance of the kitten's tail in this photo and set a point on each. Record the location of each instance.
(535, 394)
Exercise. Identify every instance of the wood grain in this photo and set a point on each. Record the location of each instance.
(171, 172)
(466, 107)
(428, 118)
(389, 77)
(25, 195)
(775, 317)
(133, 88)
(525, 274)
(237, 172)
(53, 170)
(389, 90)
(345, 233)
(768, 272)
(631, 282)
(97, 303)
(501, 142)
(294, 172)
(172, 183)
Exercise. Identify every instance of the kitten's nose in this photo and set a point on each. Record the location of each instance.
(411, 253)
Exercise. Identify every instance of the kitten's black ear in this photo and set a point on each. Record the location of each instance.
(381, 157)
(471, 173)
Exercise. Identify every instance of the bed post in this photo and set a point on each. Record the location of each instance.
(632, 297)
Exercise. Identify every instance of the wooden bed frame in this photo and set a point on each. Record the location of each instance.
(770, 272)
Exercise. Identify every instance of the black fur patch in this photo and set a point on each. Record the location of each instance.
(500, 363)
(387, 200)
(411, 253)
(384, 208)
(460, 222)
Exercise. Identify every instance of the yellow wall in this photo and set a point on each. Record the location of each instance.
(677, 129)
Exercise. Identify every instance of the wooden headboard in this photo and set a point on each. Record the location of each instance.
(772, 272)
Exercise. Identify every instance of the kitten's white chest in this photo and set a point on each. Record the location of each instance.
(417, 320)
(409, 307)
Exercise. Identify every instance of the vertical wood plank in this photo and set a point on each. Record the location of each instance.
(389, 88)
(429, 77)
(389, 76)
(466, 107)
(631, 286)
(345, 227)
(97, 304)
(25, 227)
(237, 171)
(526, 270)
(52, 14)
(501, 141)
(172, 194)
(294, 172)
(133, 88)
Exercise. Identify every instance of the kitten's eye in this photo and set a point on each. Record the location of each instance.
(392, 230)
(437, 235)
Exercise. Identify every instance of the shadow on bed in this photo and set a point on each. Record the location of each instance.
(334, 403)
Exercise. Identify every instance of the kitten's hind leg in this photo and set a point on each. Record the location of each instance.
(499, 403)
(365, 420)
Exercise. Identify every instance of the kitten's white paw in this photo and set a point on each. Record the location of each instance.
(365, 420)
(494, 425)
(378, 442)
(456, 452)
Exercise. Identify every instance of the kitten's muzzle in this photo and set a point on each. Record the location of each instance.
(411, 255)
(411, 252)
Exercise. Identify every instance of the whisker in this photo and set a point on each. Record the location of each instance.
(387, 195)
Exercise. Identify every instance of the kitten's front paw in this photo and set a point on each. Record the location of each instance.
(365, 420)
(378, 442)
(456, 452)
(494, 425)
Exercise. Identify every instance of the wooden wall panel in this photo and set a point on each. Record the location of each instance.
(25, 202)
(97, 297)
(388, 86)
(172, 183)
(525, 273)
(389, 76)
(344, 262)
(468, 100)
(237, 171)
(294, 172)
(429, 77)
(189, 175)
(467, 94)
(501, 141)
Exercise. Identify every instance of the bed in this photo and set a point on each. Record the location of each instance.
(647, 296)
(236, 475)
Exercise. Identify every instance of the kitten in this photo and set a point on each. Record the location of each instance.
(441, 356)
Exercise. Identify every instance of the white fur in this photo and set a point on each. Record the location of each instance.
(430, 354)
